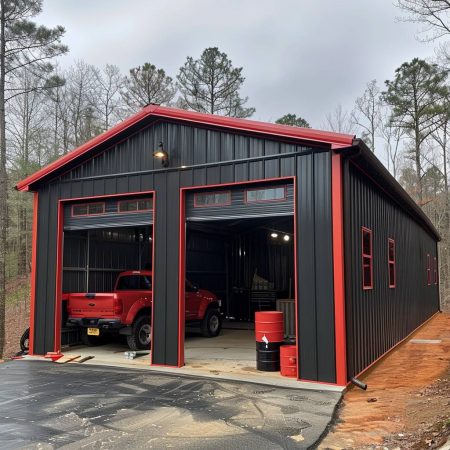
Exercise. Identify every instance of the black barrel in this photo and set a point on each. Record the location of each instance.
(268, 356)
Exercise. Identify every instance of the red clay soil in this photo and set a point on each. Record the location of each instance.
(407, 402)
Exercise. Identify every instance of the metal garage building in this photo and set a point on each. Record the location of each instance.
(364, 254)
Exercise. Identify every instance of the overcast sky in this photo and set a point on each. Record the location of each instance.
(299, 56)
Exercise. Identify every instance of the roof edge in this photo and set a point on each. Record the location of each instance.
(336, 140)
(360, 149)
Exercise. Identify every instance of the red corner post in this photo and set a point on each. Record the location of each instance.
(338, 269)
(33, 272)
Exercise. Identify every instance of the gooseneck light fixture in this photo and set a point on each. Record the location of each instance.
(162, 155)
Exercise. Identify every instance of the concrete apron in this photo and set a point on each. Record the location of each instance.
(230, 356)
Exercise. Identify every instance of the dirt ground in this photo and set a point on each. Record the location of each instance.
(407, 403)
(17, 314)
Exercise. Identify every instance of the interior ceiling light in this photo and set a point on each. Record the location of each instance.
(286, 237)
(274, 235)
(162, 155)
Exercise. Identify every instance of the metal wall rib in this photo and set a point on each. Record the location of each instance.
(379, 318)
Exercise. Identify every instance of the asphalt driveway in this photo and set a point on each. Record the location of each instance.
(46, 405)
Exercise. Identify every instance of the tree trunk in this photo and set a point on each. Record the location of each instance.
(3, 181)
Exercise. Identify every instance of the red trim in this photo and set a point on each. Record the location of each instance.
(391, 262)
(296, 274)
(182, 256)
(153, 270)
(435, 271)
(33, 271)
(338, 269)
(59, 274)
(106, 196)
(182, 279)
(246, 201)
(394, 347)
(428, 269)
(227, 203)
(365, 257)
(87, 208)
(337, 140)
(59, 257)
(133, 200)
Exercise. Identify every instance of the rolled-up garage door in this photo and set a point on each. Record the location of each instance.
(108, 213)
(249, 201)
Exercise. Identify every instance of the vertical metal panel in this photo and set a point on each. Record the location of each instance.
(377, 319)
(315, 275)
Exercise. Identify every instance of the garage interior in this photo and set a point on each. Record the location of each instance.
(245, 256)
(240, 246)
(249, 265)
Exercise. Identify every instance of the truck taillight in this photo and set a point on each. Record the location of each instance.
(118, 307)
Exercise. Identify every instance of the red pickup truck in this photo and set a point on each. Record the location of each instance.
(127, 310)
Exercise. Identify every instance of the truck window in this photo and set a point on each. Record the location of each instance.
(134, 283)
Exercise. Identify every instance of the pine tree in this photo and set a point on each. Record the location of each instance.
(416, 96)
(146, 85)
(293, 120)
(211, 85)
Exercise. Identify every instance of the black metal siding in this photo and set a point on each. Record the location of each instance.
(378, 319)
(129, 167)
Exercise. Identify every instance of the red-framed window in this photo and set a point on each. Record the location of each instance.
(428, 269)
(272, 194)
(205, 199)
(435, 271)
(88, 209)
(135, 205)
(367, 258)
(391, 263)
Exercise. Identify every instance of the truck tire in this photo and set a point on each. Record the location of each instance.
(25, 341)
(141, 334)
(211, 323)
(89, 341)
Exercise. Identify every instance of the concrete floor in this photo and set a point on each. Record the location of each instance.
(229, 356)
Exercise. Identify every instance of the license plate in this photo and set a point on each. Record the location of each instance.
(93, 332)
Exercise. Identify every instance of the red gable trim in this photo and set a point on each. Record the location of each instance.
(306, 134)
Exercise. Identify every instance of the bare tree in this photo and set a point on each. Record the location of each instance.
(392, 137)
(339, 121)
(109, 103)
(367, 113)
(432, 15)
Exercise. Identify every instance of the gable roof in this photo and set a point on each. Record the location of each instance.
(336, 140)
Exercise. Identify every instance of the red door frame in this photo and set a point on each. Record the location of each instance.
(182, 254)
(59, 257)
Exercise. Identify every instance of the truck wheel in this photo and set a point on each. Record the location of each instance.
(211, 323)
(90, 341)
(25, 341)
(141, 334)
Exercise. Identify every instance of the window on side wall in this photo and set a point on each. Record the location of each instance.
(367, 258)
(391, 263)
(435, 271)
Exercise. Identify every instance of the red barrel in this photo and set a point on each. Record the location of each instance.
(288, 361)
(269, 324)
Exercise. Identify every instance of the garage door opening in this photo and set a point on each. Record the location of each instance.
(107, 276)
(241, 249)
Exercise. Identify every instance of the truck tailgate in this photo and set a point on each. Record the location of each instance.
(91, 305)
